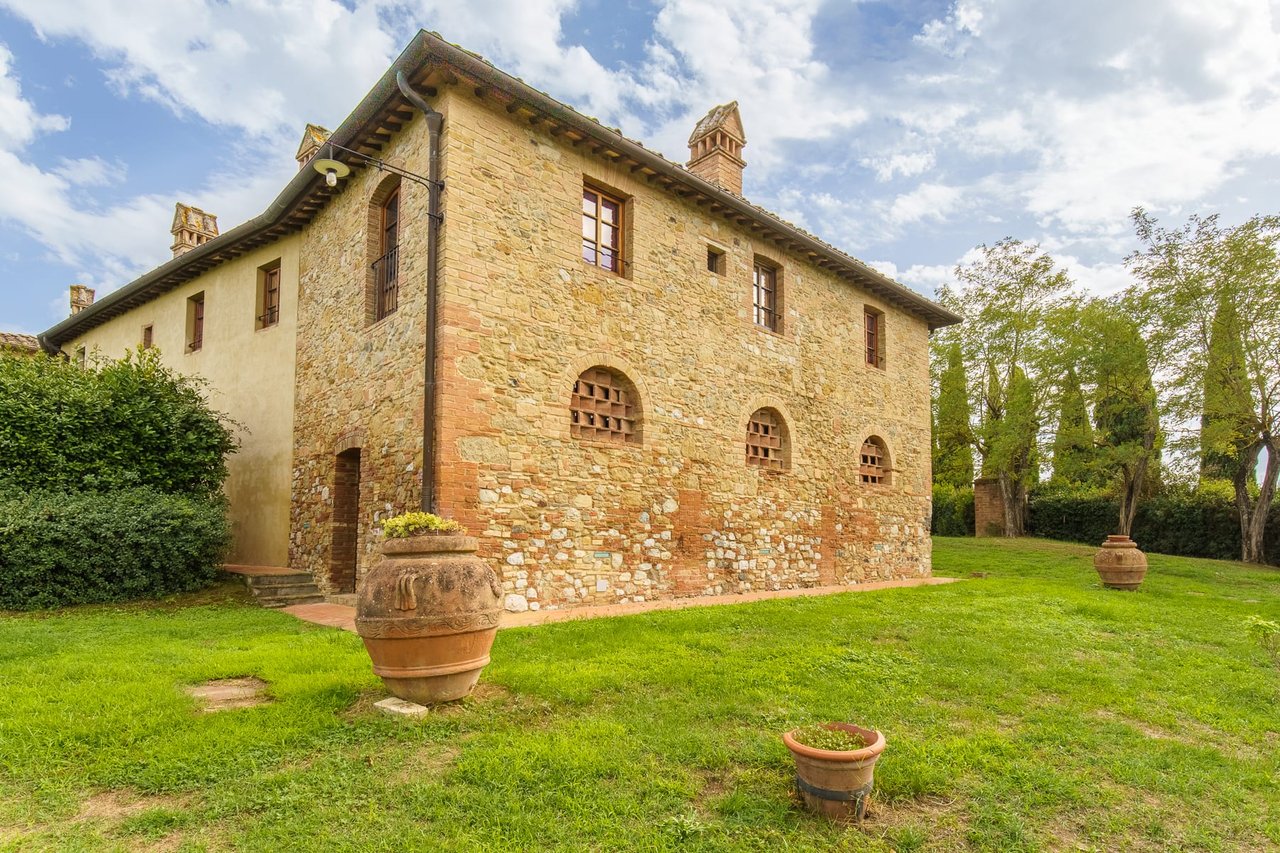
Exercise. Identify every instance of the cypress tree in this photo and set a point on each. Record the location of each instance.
(953, 455)
(1073, 446)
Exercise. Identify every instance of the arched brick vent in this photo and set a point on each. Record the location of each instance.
(874, 469)
(767, 440)
(604, 406)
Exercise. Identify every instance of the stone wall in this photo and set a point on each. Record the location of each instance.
(573, 522)
(359, 382)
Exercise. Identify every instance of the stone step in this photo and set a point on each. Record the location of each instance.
(276, 603)
(284, 590)
(268, 581)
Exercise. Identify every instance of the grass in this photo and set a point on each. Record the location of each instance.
(1025, 710)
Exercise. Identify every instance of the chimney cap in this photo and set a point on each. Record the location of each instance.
(313, 137)
(186, 216)
(724, 118)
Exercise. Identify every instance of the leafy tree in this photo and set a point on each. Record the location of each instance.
(1073, 443)
(1125, 412)
(1194, 279)
(117, 424)
(953, 435)
(1007, 296)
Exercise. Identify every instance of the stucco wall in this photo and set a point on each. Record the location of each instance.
(251, 378)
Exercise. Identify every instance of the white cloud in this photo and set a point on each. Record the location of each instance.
(19, 121)
(90, 172)
(927, 201)
(906, 165)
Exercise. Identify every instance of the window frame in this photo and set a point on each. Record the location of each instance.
(268, 311)
(195, 322)
(873, 330)
(770, 309)
(386, 267)
(619, 226)
(716, 259)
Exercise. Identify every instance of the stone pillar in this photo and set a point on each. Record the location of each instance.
(988, 508)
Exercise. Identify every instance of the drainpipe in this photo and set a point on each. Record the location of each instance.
(435, 121)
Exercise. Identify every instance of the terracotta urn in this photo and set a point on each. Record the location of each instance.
(836, 783)
(428, 613)
(1120, 564)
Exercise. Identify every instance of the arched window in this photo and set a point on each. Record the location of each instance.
(874, 469)
(383, 294)
(767, 444)
(604, 406)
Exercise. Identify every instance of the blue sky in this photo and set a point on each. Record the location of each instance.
(905, 132)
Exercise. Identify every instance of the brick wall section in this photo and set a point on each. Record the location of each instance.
(568, 522)
(988, 508)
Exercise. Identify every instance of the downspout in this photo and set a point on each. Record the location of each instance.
(435, 121)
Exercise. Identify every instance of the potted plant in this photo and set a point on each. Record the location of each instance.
(1120, 564)
(835, 767)
(428, 611)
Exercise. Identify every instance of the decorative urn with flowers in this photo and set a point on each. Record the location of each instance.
(428, 611)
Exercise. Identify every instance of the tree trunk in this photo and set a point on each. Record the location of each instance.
(1131, 489)
(1253, 514)
(1013, 494)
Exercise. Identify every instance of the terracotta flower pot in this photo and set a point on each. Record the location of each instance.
(1120, 564)
(836, 783)
(428, 613)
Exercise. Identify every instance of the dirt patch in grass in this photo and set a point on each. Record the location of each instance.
(926, 822)
(226, 694)
(115, 805)
(428, 762)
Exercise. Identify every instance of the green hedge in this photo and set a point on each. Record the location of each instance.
(1198, 522)
(88, 547)
(115, 424)
(952, 511)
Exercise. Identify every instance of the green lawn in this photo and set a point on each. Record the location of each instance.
(1028, 709)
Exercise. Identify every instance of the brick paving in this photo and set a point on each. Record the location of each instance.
(341, 616)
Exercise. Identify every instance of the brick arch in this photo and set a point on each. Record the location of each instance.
(793, 456)
(350, 440)
(616, 365)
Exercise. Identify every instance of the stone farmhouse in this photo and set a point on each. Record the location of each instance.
(627, 380)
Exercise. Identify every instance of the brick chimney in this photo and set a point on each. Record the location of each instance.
(81, 298)
(715, 148)
(191, 227)
(312, 138)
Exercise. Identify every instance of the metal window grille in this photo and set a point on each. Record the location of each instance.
(386, 281)
(873, 324)
(602, 230)
(764, 296)
(386, 269)
(764, 440)
(872, 470)
(270, 299)
(601, 408)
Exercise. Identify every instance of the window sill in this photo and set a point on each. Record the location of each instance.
(605, 271)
